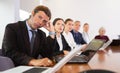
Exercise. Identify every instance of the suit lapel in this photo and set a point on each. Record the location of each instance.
(25, 37)
(63, 41)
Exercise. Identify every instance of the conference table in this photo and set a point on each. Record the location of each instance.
(108, 59)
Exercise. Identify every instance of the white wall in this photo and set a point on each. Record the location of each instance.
(26, 7)
(8, 13)
(29, 5)
(97, 13)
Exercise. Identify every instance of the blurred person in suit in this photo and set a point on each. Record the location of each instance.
(18, 37)
(76, 34)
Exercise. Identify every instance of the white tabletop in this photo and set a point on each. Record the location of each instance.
(18, 69)
(21, 69)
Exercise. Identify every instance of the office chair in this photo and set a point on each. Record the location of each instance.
(118, 36)
(97, 71)
(5, 62)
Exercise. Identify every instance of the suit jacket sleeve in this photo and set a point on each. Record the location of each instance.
(52, 45)
(65, 44)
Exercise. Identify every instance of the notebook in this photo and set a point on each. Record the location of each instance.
(87, 54)
(58, 65)
(105, 45)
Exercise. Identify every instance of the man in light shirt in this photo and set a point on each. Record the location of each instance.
(67, 34)
(85, 33)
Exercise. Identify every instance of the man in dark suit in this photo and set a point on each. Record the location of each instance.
(76, 34)
(18, 37)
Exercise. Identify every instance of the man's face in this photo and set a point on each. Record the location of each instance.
(76, 26)
(101, 32)
(69, 25)
(86, 28)
(38, 20)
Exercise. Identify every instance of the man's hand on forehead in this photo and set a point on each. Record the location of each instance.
(49, 26)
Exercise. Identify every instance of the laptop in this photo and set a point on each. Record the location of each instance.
(87, 54)
(115, 42)
(118, 36)
(58, 65)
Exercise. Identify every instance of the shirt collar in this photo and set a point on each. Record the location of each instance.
(75, 31)
(28, 27)
(66, 33)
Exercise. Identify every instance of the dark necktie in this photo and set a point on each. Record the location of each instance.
(32, 39)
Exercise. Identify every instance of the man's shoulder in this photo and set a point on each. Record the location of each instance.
(72, 31)
(41, 32)
(15, 24)
(97, 36)
(80, 33)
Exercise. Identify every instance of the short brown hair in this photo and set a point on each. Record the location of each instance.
(68, 20)
(44, 9)
(77, 21)
(85, 24)
(56, 19)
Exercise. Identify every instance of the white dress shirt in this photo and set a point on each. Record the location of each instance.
(86, 37)
(59, 40)
(69, 38)
(29, 32)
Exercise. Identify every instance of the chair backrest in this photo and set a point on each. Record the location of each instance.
(0, 52)
(97, 71)
(5, 63)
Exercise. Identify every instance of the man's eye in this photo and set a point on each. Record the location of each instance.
(44, 21)
(40, 17)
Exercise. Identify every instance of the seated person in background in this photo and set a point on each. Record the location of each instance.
(85, 33)
(60, 47)
(102, 35)
(19, 44)
(67, 34)
(76, 34)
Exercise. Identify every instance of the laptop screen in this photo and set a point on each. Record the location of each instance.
(92, 48)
